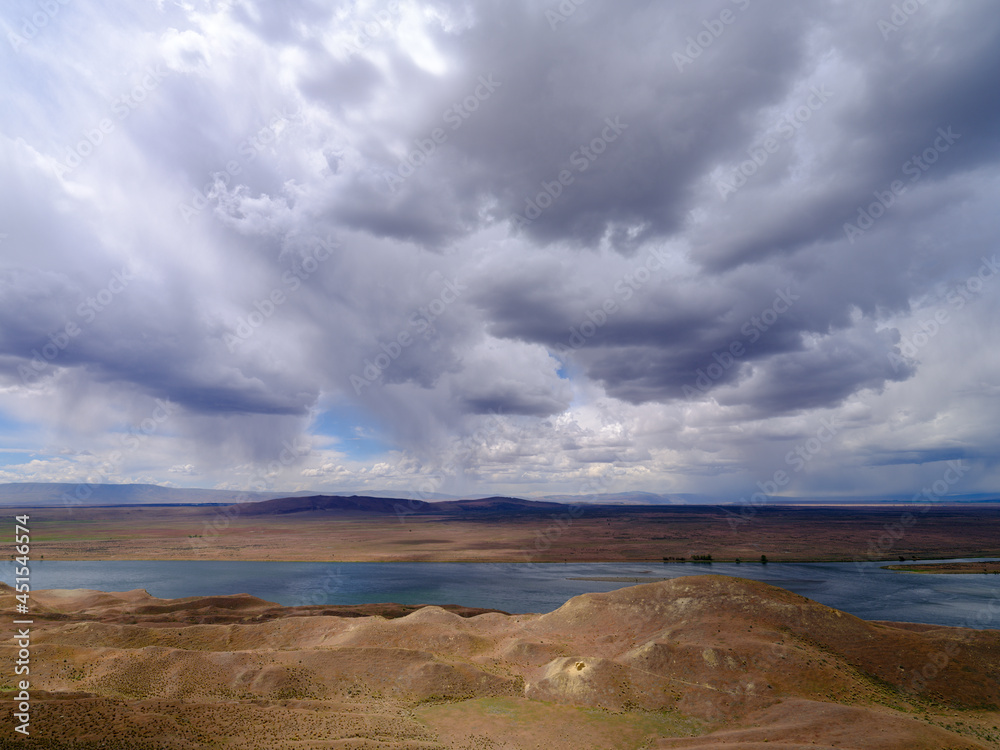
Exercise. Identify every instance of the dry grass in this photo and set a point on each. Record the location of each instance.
(783, 534)
(700, 662)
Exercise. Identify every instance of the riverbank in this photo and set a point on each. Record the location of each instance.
(747, 663)
(986, 567)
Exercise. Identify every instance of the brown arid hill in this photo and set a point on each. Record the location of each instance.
(138, 606)
(374, 506)
(701, 662)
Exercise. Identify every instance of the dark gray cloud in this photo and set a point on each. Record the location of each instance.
(553, 99)
(319, 210)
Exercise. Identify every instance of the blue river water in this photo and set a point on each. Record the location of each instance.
(862, 589)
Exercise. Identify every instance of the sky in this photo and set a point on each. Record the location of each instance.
(502, 247)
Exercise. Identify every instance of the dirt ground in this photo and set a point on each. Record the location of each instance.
(626, 534)
(701, 663)
(953, 568)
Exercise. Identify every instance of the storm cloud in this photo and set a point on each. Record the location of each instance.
(499, 247)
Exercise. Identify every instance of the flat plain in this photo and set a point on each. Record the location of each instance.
(505, 532)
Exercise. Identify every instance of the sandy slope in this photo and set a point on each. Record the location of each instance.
(699, 662)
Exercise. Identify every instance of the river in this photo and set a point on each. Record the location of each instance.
(862, 589)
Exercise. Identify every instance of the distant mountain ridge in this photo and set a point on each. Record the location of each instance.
(55, 494)
(366, 505)
(639, 498)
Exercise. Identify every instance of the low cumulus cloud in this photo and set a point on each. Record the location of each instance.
(512, 246)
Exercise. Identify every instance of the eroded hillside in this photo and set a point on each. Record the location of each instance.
(697, 662)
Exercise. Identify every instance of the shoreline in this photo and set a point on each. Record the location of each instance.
(978, 567)
(896, 565)
(226, 666)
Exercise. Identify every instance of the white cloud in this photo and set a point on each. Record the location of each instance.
(209, 149)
